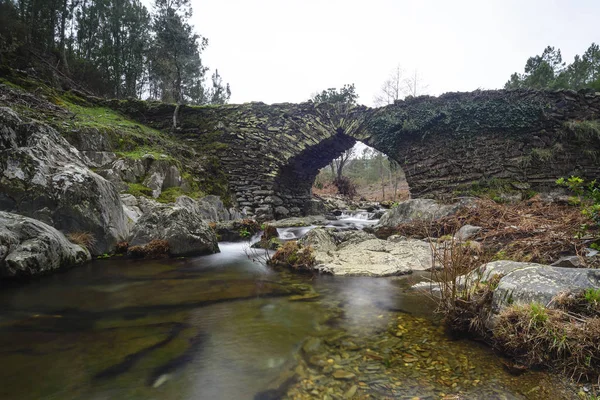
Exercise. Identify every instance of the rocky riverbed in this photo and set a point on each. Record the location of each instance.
(222, 327)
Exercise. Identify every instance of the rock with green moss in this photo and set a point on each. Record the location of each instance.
(29, 247)
(524, 283)
(45, 178)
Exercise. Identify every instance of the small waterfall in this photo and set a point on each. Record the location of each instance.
(357, 214)
(293, 233)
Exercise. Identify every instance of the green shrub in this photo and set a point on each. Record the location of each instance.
(587, 194)
(592, 296)
(294, 255)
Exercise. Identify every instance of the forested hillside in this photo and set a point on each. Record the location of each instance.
(111, 48)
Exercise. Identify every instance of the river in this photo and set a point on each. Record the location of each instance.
(226, 326)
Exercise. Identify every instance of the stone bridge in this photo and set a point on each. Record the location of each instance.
(445, 144)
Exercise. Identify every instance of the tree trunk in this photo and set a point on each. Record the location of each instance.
(382, 175)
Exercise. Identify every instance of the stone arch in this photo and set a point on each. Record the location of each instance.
(271, 153)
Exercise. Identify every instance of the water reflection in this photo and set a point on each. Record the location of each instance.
(213, 327)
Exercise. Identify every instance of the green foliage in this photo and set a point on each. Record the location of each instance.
(549, 71)
(245, 233)
(592, 296)
(114, 48)
(171, 194)
(139, 152)
(137, 189)
(587, 194)
(346, 95)
(176, 71)
(538, 313)
(501, 255)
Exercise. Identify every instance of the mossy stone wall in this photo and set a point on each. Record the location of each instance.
(272, 153)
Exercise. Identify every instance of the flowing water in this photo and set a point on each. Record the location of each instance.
(226, 326)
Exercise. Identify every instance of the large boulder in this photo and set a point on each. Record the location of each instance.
(29, 247)
(46, 178)
(418, 209)
(523, 283)
(185, 231)
(359, 253)
(209, 207)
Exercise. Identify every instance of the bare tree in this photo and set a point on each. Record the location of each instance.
(392, 88)
(342, 160)
(382, 175)
(414, 85)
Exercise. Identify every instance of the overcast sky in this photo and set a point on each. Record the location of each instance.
(285, 50)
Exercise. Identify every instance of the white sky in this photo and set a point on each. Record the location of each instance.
(285, 50)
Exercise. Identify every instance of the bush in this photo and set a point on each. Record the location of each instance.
(269, 232)
(154, 249)
(294, 255)
(83, 239)
(588, 194)
(269, 239)
(345, 186)
(247, 228)
(121, 248)
(537, 336)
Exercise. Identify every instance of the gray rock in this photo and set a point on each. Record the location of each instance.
(321, 240)
(90, 139)
(161, 174)
(45, 178)
(185, 231)
(396, 238)
(131, 209)
(98, 159)
(264, 213)
(466, 232)
(275, 200)
(568, 262)
(299, 221)
(350, 238)
(523, 283)
(362, 254)
(315, 207)
(210, 208)
(127, 170)
(425, 209)
(281, 212)
(29, 247)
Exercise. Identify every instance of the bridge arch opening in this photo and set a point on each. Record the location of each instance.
(294, 183)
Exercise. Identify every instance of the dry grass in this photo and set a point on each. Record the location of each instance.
(83, 239)
(463, 299)
(294, 255)
(153, 250)
(121, 247)
(532, 230)
(556, 338)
